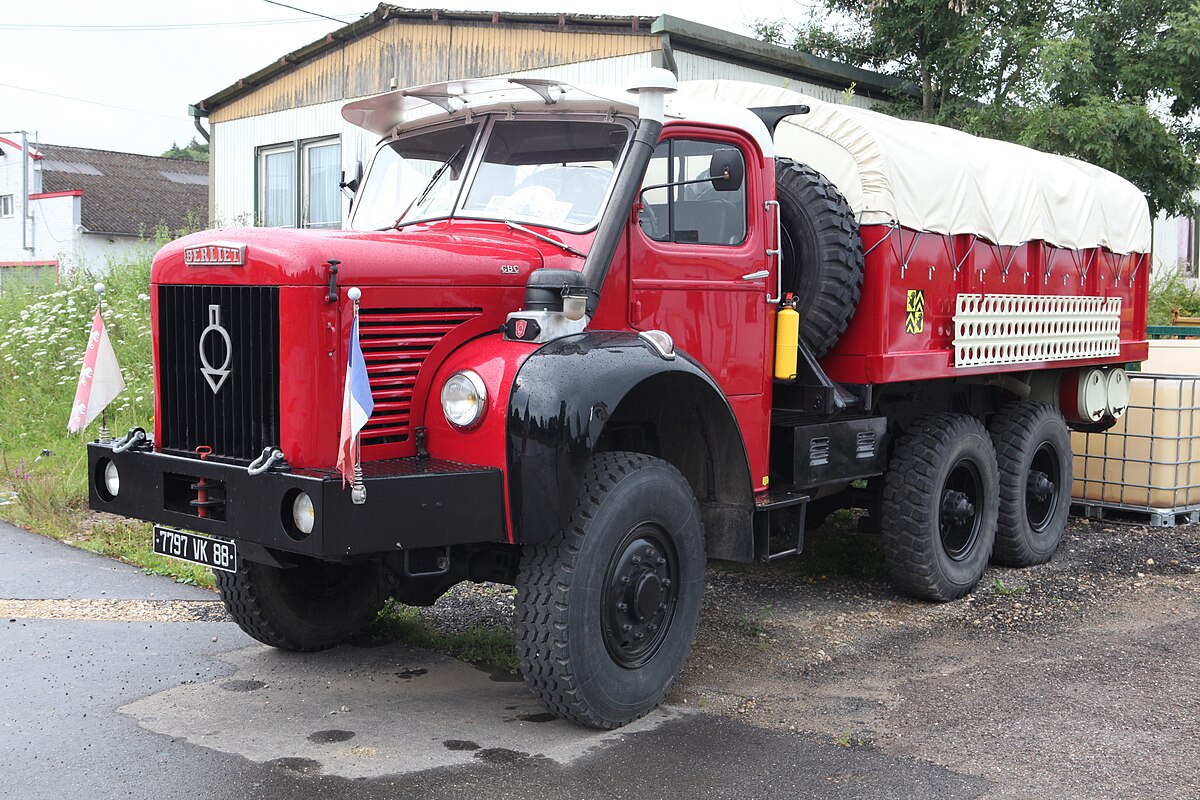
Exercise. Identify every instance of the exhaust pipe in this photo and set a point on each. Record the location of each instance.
(652, 86)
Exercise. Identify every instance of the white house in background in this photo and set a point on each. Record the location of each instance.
(279, 144)
(63, 208)
(1177, 245)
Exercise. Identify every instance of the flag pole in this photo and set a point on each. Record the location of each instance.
(358, 490)
(99, 289)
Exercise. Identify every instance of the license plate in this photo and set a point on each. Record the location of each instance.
(195, 548)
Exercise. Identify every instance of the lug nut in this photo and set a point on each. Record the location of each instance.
(622, 606)
(652, 627)
(639, 636)
(661, 561)
(627, 627)
(625, 581)
(637, 559)
(666, 582)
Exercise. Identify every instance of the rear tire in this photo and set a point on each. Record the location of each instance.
(822, 253)
(310, 606)
(607, 610)
(939, 509)
(1033, 453)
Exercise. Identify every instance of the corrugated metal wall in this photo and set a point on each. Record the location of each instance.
(415, 53)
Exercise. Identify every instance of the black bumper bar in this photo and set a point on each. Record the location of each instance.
(411, 502)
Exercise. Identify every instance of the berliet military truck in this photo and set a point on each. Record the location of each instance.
(612, 334)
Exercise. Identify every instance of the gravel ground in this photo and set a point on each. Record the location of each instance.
(1075, 678)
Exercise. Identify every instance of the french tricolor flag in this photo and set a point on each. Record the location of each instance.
(357, 406)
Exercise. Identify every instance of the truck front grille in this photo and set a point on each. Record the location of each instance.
(229, 399)
(395, 343)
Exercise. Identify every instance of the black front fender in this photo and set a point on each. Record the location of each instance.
(566, 393)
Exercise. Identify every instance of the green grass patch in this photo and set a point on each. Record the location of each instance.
(492, 647)
(43, 333)
(1169, 292)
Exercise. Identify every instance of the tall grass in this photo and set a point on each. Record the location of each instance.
(43, 334)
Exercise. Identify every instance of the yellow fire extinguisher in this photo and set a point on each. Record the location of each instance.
(787, 338)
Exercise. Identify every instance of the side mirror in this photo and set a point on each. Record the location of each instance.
(726, 170)
(353, 183)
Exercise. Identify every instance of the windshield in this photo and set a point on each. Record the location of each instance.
(417, 177)
(551, 172)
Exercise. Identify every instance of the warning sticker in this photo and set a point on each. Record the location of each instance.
(914, 319)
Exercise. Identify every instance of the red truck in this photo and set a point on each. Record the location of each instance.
(610, 335)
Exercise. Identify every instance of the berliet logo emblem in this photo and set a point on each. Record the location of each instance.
(215, 375)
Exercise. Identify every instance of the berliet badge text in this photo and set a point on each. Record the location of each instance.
(215, 255)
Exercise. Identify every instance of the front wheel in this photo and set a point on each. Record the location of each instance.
(310, 605)
(606, 610)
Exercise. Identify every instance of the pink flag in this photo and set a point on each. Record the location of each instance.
(100, 379)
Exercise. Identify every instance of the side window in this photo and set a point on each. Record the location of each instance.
(694, 212)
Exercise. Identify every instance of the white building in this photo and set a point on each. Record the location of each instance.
(65, 208)
(279, 144)
(1176, 245)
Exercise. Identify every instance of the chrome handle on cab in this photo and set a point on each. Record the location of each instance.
(753, 276)
(777, 252)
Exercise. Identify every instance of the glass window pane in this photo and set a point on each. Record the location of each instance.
(324, 207)
(278, 208)
(548, 172)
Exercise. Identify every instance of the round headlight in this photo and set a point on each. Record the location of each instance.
(303, 514)
(112, 479)
(464, 399)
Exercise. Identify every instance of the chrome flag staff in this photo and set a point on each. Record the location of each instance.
(357, 406)
(100, 379)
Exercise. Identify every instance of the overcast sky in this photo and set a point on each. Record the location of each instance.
(140, 63)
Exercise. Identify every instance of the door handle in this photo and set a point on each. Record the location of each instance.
(754, 276)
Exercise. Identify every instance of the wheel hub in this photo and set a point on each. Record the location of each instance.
(639, 597)
(958, 522)
(1042, 488)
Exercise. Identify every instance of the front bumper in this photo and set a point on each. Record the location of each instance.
(411, 502)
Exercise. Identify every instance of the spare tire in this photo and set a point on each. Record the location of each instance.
(822, 253)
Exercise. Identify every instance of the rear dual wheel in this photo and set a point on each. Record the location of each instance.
(940, 507)
(1033, 452)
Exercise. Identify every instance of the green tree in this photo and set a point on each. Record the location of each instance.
(1113, 82)
(194, 151)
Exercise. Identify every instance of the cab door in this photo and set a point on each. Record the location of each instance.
(690, 255)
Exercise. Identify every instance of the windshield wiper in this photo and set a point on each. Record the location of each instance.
(545, 238)
(420, 198)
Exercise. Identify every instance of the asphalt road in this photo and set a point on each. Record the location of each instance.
(113, 685)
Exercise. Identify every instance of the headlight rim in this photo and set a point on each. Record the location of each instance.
(480, 390)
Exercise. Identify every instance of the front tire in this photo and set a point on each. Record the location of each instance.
(940, 506)
(311, 605)
(1033, 452)
(607, 610)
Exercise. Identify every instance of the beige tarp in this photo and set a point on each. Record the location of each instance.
(931, 178)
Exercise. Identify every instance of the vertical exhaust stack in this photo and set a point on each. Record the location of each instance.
(652, 86)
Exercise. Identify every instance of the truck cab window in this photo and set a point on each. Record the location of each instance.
(552, 173)
(402, 181)
(691, 213)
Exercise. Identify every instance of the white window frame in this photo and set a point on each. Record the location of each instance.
(7, 206)
(300, 151)
(260, 158)
(306, 148)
